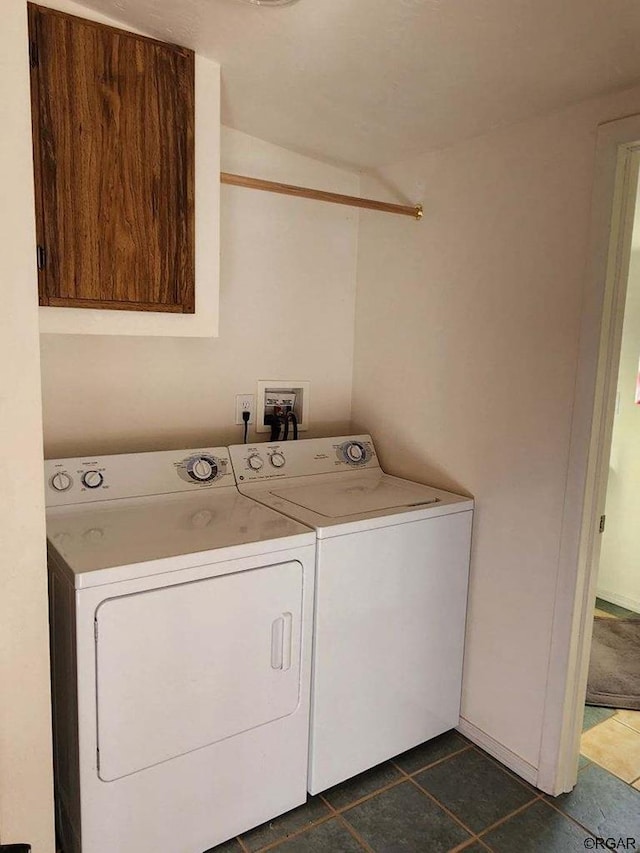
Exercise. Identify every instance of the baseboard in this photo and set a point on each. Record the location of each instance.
(621, 600)
(519, 766)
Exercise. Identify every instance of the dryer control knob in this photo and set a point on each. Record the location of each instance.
(277, 460)
(202, 469)
(61, 481)
(92, 479)
(255, 462)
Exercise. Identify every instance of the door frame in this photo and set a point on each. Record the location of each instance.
(617, 159)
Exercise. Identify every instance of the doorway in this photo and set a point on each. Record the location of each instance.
(617, 158)
(611, 722)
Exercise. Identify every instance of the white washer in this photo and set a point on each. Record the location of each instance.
(181, 617)
(391, 592)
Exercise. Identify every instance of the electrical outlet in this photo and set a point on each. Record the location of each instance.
(245, 403)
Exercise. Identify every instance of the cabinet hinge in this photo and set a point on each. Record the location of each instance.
(34, 54)
(41, 255)
(603, 520)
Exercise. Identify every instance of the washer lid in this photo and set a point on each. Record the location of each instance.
(356, 496)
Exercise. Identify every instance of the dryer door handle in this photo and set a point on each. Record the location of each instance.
(281, 638)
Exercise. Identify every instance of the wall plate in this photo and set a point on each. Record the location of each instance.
(244, 403)
(299, 387)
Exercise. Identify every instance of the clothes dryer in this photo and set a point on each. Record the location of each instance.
(181, 617)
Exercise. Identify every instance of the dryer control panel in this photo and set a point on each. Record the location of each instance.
(270, 461)
(129, 475)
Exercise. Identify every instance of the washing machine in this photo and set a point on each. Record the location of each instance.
(391, 595)
(181, 620)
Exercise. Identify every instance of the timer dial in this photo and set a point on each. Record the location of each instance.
(255, 462)
(202, 469)
(61, 481)
(277, 460)
(354, 453)
(92, 479)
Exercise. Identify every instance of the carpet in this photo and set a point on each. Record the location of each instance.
(614, 667)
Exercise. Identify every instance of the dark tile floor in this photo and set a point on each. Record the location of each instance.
(448, 795)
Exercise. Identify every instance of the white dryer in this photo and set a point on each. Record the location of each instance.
(391, 594)
(181, 617)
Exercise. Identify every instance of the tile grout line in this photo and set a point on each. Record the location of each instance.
(350, 829)
(523, 782)
(482, 844)
(273, 844)
(508, 817)
(440, 805)
(354, 833)
(476, 836)
(622, 723)
(402, 778)
(435, 763)
(536, 797)
(340, 809)
(339, 812)
(597, 763)
(407, 778)
(465, 845)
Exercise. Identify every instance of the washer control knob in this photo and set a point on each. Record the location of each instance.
(61, 481)
(355, 452)
(255, 462)
(92, 479)
(277, 460)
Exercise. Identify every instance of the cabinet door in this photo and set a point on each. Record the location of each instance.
(113, 132)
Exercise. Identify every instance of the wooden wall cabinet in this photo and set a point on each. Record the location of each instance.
(113, 139)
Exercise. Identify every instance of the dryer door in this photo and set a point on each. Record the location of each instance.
(181, 667)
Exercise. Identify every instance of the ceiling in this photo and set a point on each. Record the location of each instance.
(363, 83)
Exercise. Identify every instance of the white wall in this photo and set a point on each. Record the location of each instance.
(473, 316)
(619, 569)
(26, 807)
(286, 311)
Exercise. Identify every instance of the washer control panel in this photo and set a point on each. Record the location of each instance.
(261, 462)
(128, 475)
(299, 458)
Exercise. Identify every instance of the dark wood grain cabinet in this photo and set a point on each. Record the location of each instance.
(113, 133)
